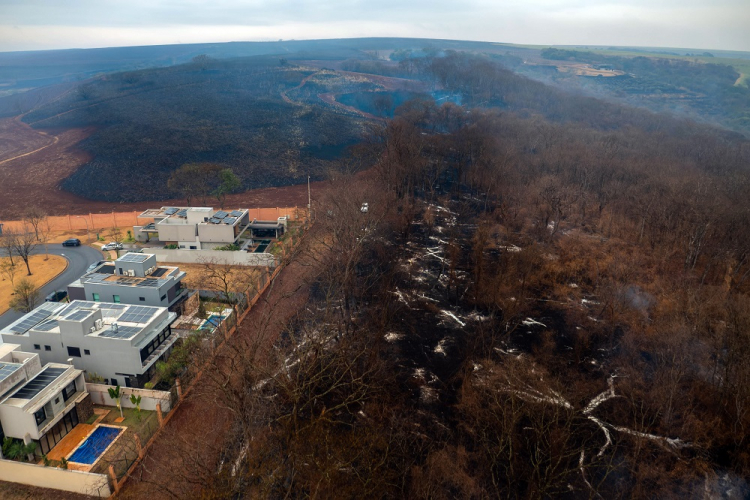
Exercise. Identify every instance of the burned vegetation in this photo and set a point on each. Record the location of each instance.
(506, 306)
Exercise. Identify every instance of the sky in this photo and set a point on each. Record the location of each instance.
(58, 24)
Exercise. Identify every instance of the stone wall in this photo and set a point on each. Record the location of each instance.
(85, 408)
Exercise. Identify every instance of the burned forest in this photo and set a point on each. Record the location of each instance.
(533, 295)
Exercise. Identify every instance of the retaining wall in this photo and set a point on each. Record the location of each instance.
(227, 257)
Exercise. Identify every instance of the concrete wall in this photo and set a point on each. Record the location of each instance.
(100, 396)
(176, 232)
(216, 233)
(84, 483)
(219, 256)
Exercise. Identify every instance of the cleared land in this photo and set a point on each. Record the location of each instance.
(42, 272)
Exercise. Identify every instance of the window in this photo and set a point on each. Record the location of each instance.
(114, 381)
(37, 347)
(40, 416)
(193, 247)
(163, 297)
(96, 297)
(57, 401)
(86, 352)
(47, 348)
(142, 299)
(74, 351)
(119, 271)
(69, 390)
(116, 299)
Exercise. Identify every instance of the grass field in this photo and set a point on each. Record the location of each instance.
(42, 272)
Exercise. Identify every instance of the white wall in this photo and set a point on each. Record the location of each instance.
(166, 256)
(149, 398)
(85, 483)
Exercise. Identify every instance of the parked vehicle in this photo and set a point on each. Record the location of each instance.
(58, 296)
(112, 246)
(73, 242)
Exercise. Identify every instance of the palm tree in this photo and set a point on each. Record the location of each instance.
(136, 401)
(115, 394)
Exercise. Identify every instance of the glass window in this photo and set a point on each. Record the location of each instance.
(142, 299)
(96, 297)
(37, 347)
(163, 297)
(86, 352)
(47, 348)
(69, 390)
(116, 299)
(39, 416)
(74, 351)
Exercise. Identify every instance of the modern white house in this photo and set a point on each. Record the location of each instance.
(194, 228)
(134, 278)
(117, 342)
(40, 404)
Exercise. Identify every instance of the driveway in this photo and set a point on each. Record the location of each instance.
(79, 259)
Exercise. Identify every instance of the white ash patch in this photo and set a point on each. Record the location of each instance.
(393, 337)
(532, 322)
(452, 316)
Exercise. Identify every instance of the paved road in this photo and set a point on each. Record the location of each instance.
(79, 259)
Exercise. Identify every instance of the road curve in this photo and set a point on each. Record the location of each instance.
(79, 259)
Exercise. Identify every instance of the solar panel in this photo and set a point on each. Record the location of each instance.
(96, 277)
(181, 213)
(7, 369)
(30, 320)
(148, 282)
(220, 214)
(230, 220)
(171, 210)
(214, 220)
(138, 314)
(38, 383)
(236, 213)
(46, 326)
(78, 315)
(133, 257)
(120, 332)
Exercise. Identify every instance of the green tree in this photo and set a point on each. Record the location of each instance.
(229, 183)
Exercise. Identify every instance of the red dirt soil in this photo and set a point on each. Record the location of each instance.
(34, 179)
(199, 426)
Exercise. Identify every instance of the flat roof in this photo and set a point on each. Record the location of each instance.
(37, 384)
(135, 257)
(33, 318)
(122, 321)
(156, 279)
(8, 369)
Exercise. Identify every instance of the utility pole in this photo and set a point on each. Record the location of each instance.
(309, 202)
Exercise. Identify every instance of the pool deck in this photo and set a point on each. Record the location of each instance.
(74, 438)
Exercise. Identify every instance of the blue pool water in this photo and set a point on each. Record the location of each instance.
(94, 445)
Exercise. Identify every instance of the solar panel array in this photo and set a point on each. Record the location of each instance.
(120, 332)
(230, 220)
(171, 210)
(220, 214)
(46, 326)
(7, 369)
(96, 277)
(138, 314)
(133, 257)
(236, 213)
(181, 213)
(148, 282)
(78, 315)
(214, 220)
(30, 321)
(38, 383)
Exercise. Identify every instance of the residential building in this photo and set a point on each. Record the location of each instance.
(40, 404)
(117, 342)
(194, 228)
(134, 278)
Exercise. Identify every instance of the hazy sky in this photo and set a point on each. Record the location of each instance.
(52, 24)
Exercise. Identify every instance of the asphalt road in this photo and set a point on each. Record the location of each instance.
(79, 259)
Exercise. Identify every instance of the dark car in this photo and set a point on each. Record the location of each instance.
(73, 242)
(57, 296)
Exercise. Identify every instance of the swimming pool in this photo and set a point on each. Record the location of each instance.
(93, 446)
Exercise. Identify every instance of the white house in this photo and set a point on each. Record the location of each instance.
(118, 342)
(40, 404)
